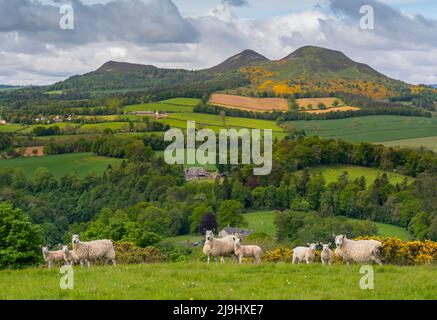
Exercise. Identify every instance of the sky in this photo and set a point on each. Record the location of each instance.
(196, 34)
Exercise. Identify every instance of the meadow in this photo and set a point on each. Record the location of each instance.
(427, 142)
(170, 105)
(60, 165)
(199, 281)
(370, 128)
(331, 173)
(11, 127)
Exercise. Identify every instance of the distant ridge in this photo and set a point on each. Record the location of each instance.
(123, 67)
(242, 59)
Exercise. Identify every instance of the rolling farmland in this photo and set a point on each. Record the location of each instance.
(426, 142)
(60, 165)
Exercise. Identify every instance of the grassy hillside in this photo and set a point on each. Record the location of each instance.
(199, 281)
(331, 173)
(427, 142)
(60, 165)
(171, 105)
(263, 221)
(371, 128)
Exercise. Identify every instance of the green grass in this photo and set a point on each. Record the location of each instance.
(261, 221)
(371, 128)
(60, 165)
(428, 142)
(100, 127)
(61, 125)
(199, 281)
(216, 122)
(331, 173)
(171, 105)
(11, 127)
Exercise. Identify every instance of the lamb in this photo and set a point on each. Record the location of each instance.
(358, 251)
(69, 256)
(306, 254)
(246, 251)
(326, 254)
(218, 247)
(52, 257)
(93, 250)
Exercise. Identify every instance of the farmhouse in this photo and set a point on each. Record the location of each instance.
(240, 233)
(196, 173)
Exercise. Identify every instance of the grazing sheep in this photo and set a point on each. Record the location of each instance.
(358, 251)
(52, 257)
(93, 250)
(306, 254)
(218, 247)
(246, 251)
(326, 255)
(69, 256)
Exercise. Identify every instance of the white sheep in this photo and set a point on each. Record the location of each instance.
(69, 256)
(52, 257)
(246, 251)
(358, 251)
(326, 255)
(306, 254)
(93, 250)
(218, 247)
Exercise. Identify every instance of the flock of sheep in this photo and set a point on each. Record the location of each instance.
(83, 253)
(361, 251)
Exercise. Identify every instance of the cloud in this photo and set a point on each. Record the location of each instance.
(144, 22)
(34, 50)
(236, 3)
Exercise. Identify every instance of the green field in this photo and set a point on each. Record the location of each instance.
(60, 165)
(11, 127)
(427, 142)
(263, 221)
(100, 127)
(61, 125)
(331, 173)
(216, 122)
(199, 281)
(371, 128)
(171, 105)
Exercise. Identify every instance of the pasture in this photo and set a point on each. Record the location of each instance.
(216, 122)
(9, 128)
(427, 142)
(198, 281)
(171, 105)
(59, 165)
(331, 173)
(248, 103)
(370, 128)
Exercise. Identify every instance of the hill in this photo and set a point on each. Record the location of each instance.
(315, 69)
(242, 59)
(308, 69)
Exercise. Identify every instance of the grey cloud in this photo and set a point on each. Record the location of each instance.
(236, 3)
(142, 22)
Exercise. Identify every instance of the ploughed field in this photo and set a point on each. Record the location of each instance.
(198, 281)
(248, 103)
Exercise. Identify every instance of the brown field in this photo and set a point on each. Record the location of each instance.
(345, 108)
(249, 104)
(29, 151)
(313, 103)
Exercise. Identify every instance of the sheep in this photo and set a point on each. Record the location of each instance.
(93, 250)
(306, 254)
(358, 251)
(246, 251)
(52, 257)
(218, 247)
(326, 255)
(69, 256)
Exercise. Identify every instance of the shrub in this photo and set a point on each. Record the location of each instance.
(128, 253)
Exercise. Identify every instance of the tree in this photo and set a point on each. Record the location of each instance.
(419, 225)
(20, 240)
(230, 214)
(208, 222)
